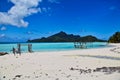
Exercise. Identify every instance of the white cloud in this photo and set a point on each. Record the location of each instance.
(29, 32)
(2, 35)
(3, 28)
(44, 9)
(21, 9)
(54, 1)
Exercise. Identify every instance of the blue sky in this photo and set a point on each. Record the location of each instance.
(28, 19)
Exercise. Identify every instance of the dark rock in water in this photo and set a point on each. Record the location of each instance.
(3, 53)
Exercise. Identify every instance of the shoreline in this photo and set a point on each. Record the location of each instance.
(62, 65)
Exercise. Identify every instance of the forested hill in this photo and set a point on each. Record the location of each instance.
(115, 38)
(64, 37)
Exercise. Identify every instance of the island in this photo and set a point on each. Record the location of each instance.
(64, 37)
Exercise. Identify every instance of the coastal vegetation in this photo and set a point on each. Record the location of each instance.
(115, 38)
(64, 37)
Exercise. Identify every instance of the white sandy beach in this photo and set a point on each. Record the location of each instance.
(58, 65)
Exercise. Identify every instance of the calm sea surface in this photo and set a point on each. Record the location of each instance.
(7, 47)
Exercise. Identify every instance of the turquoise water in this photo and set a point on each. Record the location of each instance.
(49, 46)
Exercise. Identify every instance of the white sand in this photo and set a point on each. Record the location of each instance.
(56, 65)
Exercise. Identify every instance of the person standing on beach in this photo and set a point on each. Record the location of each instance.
(13, 50)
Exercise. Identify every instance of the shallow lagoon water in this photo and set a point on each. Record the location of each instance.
(7, 47)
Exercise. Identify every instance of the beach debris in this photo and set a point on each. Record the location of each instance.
(3, 53)
(116, 50)
(27, 76)
(68, 76)
(46, 74)
(71, 68)
(105, 70)
(60, 70)
(1, 66)
(18, 76)
(33, 72)
(13, 78)
(36, 76)
(41, 73)
(4, 76)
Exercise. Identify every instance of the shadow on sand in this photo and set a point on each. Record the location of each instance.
(101, 57)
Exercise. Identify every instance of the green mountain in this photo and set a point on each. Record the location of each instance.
(64, 37)
(115, 38)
